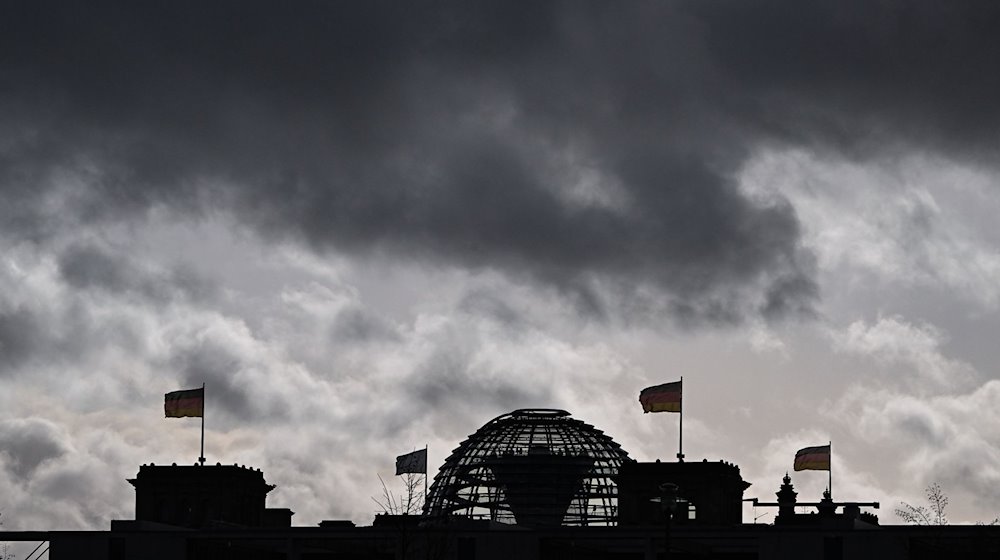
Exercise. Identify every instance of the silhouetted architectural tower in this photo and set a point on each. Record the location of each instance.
(199, 496)
(710, 493)
(786, 501)
(851, 516)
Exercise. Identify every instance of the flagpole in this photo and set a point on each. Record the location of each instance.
(680, 427)
(830, 472)
(425, 473)
(201, 459)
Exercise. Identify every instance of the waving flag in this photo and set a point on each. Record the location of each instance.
(813, 458)
(661, 398)
(415, 462)
(190, 402)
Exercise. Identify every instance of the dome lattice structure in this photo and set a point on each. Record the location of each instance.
(536, 467)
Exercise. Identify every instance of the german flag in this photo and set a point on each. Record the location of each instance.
(661, 398)
(813, 458)
(190, 402)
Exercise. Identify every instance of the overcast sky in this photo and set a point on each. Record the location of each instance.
(372, 226)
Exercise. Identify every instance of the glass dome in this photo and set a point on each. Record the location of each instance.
(536, 467)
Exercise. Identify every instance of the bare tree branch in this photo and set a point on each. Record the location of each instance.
(411, 502)
(920, 515)
(938, 502)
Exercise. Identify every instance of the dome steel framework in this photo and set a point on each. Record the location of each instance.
(536, 467)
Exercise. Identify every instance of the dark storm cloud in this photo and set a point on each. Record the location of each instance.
(468, 134)
(864, 77)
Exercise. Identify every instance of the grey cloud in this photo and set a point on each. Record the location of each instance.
(488, 303)
(68, 481)
(19, 337)
(42, 325)
(921, 426)
(44, 329)
(211, 362)
(27, 443)
(948, 439)
(85, 266)
(442, 133)
(447, 380)
(356, 325)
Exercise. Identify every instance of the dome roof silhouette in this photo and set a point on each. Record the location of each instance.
(537, 467)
